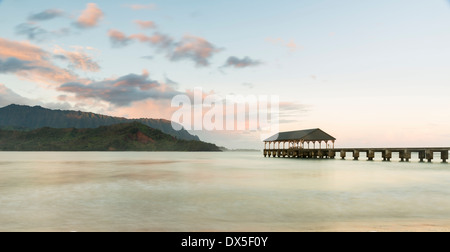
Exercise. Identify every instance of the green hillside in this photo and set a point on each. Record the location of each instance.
(26, 117)
(133, 136)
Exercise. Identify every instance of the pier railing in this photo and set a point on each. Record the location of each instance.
(405, 154)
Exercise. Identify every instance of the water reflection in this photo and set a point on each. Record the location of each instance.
(218, 192)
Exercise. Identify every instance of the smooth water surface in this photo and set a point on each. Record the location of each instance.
(231, 191)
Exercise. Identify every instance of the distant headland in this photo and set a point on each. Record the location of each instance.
(20, 117)
(119, 137)
(24, 128)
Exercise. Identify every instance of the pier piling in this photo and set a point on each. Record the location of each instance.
(444, 156)
(421, 156)
(387, 155)
(407, 155)
(429, 155)
(403, 153)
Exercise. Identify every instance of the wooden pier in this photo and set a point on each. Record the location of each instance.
(405, 154)
(297, 144)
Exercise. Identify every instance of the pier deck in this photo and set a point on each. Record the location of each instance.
(425, 153)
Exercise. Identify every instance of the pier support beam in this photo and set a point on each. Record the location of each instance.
(407, 155)
(402, 155)
(387, 155)
(429, 155)
(444, 156)
(421, 155)
(320, 154)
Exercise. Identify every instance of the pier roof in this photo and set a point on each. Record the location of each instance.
(305, 135)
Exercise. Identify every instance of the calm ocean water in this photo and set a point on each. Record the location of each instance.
(149, 191)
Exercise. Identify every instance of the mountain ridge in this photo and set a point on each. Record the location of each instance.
(16, 116)
(133, 136)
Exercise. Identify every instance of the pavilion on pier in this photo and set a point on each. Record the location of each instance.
(300, 139)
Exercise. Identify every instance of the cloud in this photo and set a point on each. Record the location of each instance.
(170, 82)
(32, 63)
(90, 17)
(194, 48)
(291, 45)
(61, 32)
(161, 41)
(32, 32)
(21, 50)
(13, 65)
(145, 24)
(145, 109)
(78, 59)
(241, 63)
(118, 38)
(36, 33)
(122, 91)
(7, 97)
(60, 57)
(292, 111)
(141, 6)
(46, 15)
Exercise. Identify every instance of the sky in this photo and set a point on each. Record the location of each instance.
(370, 73)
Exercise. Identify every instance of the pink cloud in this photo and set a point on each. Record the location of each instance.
(79, 59)
(21, 50)
(145, 24)
(118, 38)
(195, 48)
(141, 6)
(39, 68)
(146, 109)
(90, 17)
(141, 37)
(291, 45)
(189, 47)
(157, 39)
